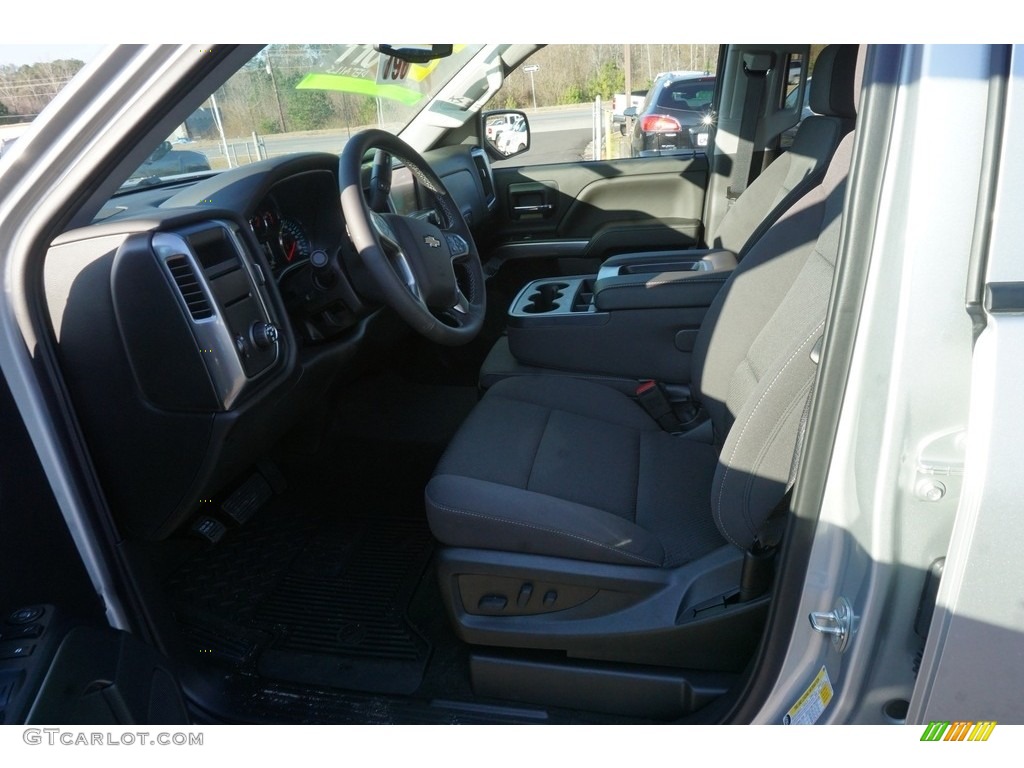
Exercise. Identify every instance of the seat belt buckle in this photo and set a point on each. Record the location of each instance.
(645, 386)
(652, 399)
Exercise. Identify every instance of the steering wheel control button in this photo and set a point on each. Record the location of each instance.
(264, 335)
(456, 244)
(26, 615)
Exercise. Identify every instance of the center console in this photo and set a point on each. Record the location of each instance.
(637, 318)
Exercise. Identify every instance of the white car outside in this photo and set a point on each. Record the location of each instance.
(515, 139)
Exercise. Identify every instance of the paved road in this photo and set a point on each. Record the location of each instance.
(561, 119)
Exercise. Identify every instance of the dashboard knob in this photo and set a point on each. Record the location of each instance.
(319, 259)
(324, 273)
(264, 335)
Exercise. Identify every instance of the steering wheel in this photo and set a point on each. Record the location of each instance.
(414, 261)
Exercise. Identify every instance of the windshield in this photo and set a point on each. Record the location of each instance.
(292, 98)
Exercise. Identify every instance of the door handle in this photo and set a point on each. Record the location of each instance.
(533, 208)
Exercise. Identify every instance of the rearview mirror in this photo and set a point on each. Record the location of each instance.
(415, 54)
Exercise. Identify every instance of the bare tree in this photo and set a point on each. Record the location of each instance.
(26, 90)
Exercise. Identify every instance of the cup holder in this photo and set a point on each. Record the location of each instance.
(545, 298)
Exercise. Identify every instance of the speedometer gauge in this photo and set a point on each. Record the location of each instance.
(294, 242)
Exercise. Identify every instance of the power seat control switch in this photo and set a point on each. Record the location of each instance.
(525, 593)
(492, 603)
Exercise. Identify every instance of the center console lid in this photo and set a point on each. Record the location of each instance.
(662, 279)
(647, 262)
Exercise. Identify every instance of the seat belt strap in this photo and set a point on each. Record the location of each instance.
(745, 170)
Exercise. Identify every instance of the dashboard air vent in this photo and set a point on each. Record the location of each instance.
(188, 283)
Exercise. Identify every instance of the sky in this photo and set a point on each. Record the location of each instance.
(33, 53)
(85, 27)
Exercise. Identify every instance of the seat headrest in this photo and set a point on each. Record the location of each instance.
(833, 82)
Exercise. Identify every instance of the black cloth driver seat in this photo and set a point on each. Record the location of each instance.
(566, 468)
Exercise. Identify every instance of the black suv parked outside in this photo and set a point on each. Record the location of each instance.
(672, 118)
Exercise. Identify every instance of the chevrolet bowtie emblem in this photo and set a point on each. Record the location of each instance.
(432, 241)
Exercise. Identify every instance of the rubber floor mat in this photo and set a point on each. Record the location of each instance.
(322, 601)
(341, 610)
(318, 588)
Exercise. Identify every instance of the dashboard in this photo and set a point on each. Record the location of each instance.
(198, 323)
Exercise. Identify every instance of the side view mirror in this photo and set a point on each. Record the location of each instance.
(505, 133)
(629, 112)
